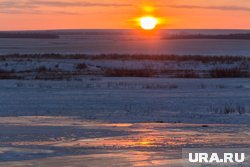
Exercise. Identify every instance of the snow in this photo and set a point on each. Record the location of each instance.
(47, 141)
(128, 99)
(124, 41)
(92, 120)
(118, 121)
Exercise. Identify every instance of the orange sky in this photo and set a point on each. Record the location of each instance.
(112, 14)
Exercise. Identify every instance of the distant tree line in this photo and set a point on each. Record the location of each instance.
(243, 36)
(28, 35)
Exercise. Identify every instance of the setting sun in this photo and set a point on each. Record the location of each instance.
(148, 22)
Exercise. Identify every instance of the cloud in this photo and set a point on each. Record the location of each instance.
(34, 11)
(32, 6)
(234, 8)
(77, 3)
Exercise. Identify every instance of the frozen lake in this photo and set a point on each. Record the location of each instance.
(128, 42)
(63, 123)
(95, 120)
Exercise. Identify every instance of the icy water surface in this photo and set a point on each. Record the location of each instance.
(70, 141)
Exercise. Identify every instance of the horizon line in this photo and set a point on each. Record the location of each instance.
(75, 29)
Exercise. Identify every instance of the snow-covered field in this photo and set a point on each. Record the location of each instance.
(126, 121)
(119, 110)
(117, 100)
(73, 67)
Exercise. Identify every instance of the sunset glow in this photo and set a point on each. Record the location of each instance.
(111, 14)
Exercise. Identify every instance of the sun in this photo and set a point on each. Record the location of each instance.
(148, 22)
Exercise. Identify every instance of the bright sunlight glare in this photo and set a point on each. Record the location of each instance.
(148, 22)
